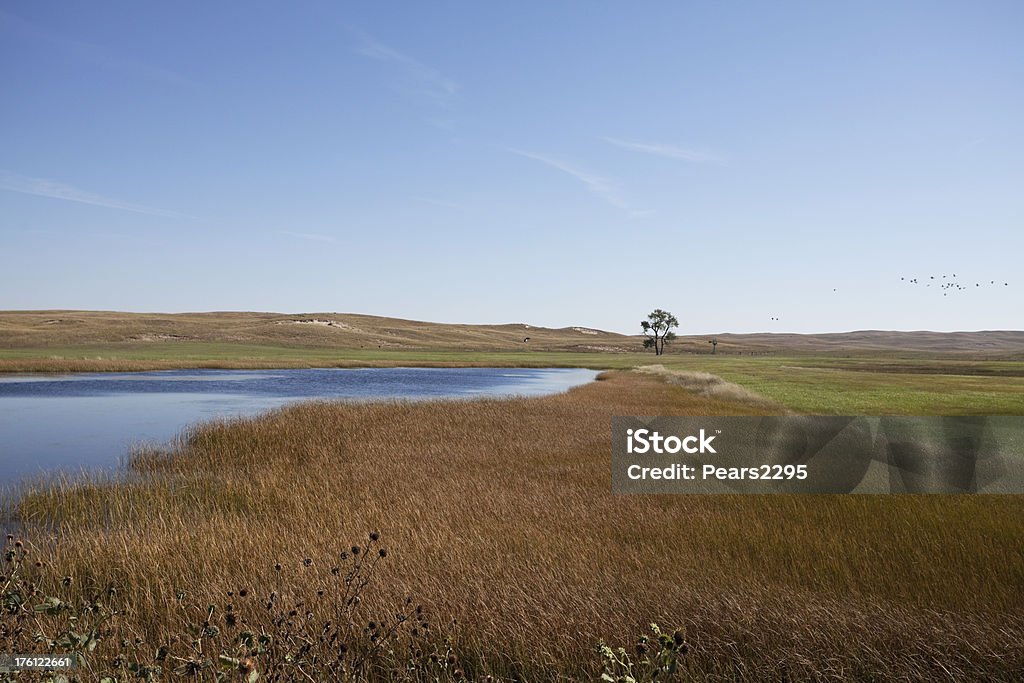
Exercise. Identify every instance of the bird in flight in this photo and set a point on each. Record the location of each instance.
(950, 285)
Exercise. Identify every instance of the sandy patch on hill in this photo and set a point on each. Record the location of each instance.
(159, 337)
(322, 323)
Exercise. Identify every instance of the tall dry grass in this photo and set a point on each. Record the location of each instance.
(710, 386)
(499, 516)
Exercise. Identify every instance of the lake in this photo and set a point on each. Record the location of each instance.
(90, 421)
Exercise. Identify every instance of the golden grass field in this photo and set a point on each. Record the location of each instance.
(498, 518)
(498, 515)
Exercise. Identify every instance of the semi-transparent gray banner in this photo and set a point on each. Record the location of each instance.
(812, 454)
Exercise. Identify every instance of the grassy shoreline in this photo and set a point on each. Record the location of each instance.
(804, 383)
(498, 515)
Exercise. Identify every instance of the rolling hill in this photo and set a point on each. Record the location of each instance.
(59, 328)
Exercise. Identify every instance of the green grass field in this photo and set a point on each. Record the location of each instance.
(815, 384)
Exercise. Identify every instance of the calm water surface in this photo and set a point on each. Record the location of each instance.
(71, 422)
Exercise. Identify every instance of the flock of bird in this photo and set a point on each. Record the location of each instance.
(945, 283)
(949, 284)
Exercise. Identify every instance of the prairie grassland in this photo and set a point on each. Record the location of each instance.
(498, 515)
(328, 332)
(868, 372)
(803, 383)
(862, 386)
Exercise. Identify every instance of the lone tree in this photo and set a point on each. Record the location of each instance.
(658, 330)
(714, 345)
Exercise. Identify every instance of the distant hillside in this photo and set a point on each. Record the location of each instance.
(996, 343)
(40, 329)
(33, 329)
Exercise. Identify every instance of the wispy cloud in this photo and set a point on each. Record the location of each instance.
(448, 124)
(36, 231)
(82, 51)
(972, 144)
(428, 80)
(599, 186)
(663, 150)
(40, 187)
(438, 202)
(310, 236)
(136, 238)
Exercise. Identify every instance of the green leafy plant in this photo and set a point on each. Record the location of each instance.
(655, 658)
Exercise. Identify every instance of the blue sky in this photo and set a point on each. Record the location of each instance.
(550, 163)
